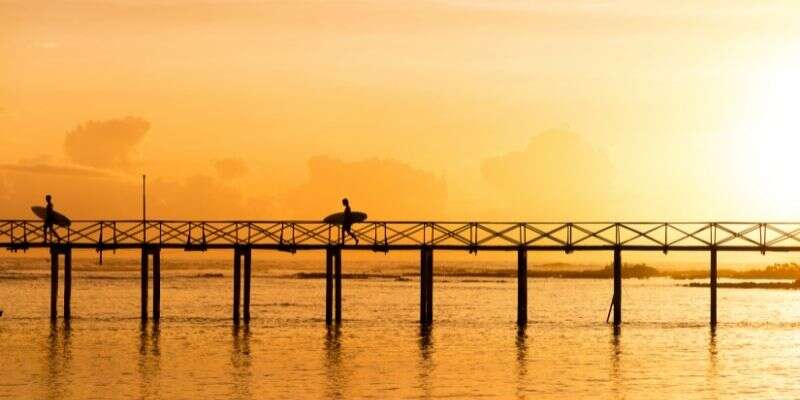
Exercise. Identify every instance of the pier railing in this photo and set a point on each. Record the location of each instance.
(411, 235)
(424, 236)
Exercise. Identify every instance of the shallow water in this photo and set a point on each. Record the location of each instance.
(665, 348)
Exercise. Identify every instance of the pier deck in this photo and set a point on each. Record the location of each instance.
(243, 237)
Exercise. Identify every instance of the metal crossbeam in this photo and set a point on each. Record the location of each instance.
(404, 235)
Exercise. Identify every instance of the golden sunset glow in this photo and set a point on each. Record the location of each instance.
(397, 199)
(490, 110)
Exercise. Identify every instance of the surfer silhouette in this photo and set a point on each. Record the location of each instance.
(49, 220)
(347, 221)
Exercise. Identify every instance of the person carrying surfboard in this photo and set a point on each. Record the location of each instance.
(347, 221)
(49, 220)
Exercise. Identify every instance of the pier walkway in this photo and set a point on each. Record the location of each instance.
(242, 237)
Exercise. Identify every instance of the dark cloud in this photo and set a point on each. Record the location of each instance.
(105, 144)
(50, 169)
(557, 175)
(384, 188)
(231, 168)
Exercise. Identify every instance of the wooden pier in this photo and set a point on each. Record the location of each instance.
(150, 237)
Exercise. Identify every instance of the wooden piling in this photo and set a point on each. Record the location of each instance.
(247, 274)
(143, 284)
(67, 283)
(522, 286)
(328, 286)
(338, 283)
(156, 285)
(423, 286)
(713, 285)
(426, 286)
(53, 283)
(429, 302)
(617, 287)
(237, 282)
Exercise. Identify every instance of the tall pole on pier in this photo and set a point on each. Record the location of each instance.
(144, 208)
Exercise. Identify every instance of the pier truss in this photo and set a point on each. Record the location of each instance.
(383, 236)
(412, 235)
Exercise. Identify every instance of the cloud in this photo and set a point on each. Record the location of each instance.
(84, 197)
(383, 188)
(51, 169)
(204, 197)
(556, 176)
(231, 168)
(105, 144)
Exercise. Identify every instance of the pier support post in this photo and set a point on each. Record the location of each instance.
(67, 283)
(237, 282)
(156, 284)
(713, 286)
(53, 283)
(247, 274)
(423, 286)
(617, 287)
(429, 303)
(426, 286)
(143, 283)
(338, 283)
(522, 286)
(329, 286)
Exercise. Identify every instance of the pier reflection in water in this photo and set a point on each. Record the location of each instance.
(474, 348)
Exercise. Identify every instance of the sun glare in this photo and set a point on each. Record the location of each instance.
(768, 142)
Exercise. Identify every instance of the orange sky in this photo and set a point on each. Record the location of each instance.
(581, 110)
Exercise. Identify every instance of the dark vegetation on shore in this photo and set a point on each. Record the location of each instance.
(628, 271)
(635, 271)
(750, 285)
(774, 271)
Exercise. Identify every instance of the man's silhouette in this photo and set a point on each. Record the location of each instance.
(49, 220)
(347, 221)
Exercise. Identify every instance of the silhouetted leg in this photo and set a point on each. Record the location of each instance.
(353, 235)
(67, 283)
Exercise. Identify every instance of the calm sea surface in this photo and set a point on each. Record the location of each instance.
(474, 349)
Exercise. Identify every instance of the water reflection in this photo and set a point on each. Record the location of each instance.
(333, 363)
(149, 360)
(522, 359)
(426, 364)
(241, 362)
(711, 375)
(59, 356)
(617, 384)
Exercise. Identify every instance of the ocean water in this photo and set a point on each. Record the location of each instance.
(665, 348)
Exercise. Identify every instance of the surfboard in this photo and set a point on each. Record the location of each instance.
(338, 218)
(58, 218)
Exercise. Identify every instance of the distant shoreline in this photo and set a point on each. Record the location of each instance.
(407, 273)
